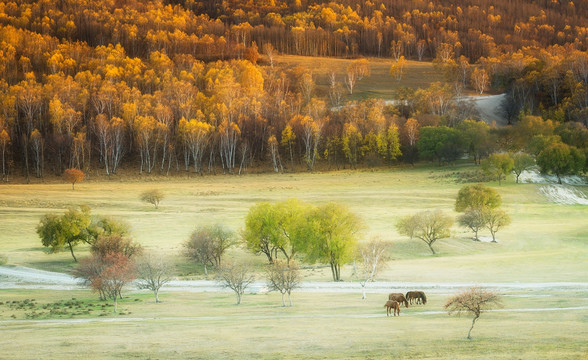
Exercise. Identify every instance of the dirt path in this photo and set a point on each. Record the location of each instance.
(257, 317)
(26, 278)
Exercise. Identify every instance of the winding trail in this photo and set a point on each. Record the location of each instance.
(257, 317)
(18, 277)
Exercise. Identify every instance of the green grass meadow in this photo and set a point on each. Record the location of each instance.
(325, 326)
(379, 84)
(546, 242)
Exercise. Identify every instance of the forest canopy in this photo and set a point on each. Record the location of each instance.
(171, 86)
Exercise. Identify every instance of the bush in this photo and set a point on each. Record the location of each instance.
(153, 196)
(3, 259)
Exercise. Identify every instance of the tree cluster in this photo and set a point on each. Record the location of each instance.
(326, 233)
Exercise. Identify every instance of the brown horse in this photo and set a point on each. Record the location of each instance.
(398, 297)
(419, 297)
(391, 304)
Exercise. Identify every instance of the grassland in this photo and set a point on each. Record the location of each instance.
(379, 84)
(543, 236)
(326, 326)
(546, 242)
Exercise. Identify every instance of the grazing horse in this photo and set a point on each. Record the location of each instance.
(413, 296)
(419, 297)
(391, 304)
(398, 297)
(423, 297)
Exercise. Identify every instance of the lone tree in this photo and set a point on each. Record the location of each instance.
(498, 166)
(73, 176)
(475, 301)
(473, 219)
(152, 273)
(371, 258)
(283, 277)
(236, 277)
(522, 162)
(153, 196)
(207, 244)
(332, 236)
(494, 220)
(428, 226)
(476, 196)
(69, 229)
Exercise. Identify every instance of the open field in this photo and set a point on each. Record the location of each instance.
(546, 241)
(326, 326)
(380, 84)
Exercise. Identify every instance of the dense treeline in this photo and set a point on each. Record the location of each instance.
(178, 87)
(220, 29)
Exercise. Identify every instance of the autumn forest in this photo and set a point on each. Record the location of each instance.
(168, 87)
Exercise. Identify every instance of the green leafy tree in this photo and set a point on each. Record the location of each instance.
(439, 142)
(476, 196)
(388, 144)
(333, 233)
(277, 228)
(521, 162)
(476, 138)
(561, 159)
(498, 165)
(428, 226)
(67, 230)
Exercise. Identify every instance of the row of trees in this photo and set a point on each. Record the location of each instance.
(214, 29)
(289, 229)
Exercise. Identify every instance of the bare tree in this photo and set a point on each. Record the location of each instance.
(236, 277)
(270, 52)
(283, 278)
(372, 258)
(152, 273)
(421, 47)
(475, 301)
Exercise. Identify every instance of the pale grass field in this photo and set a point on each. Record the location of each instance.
(325, 326)
(545, 242)
(378, 85)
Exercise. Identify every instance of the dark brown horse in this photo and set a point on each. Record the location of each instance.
(391, 304)
(398, 297)
(418, 297)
